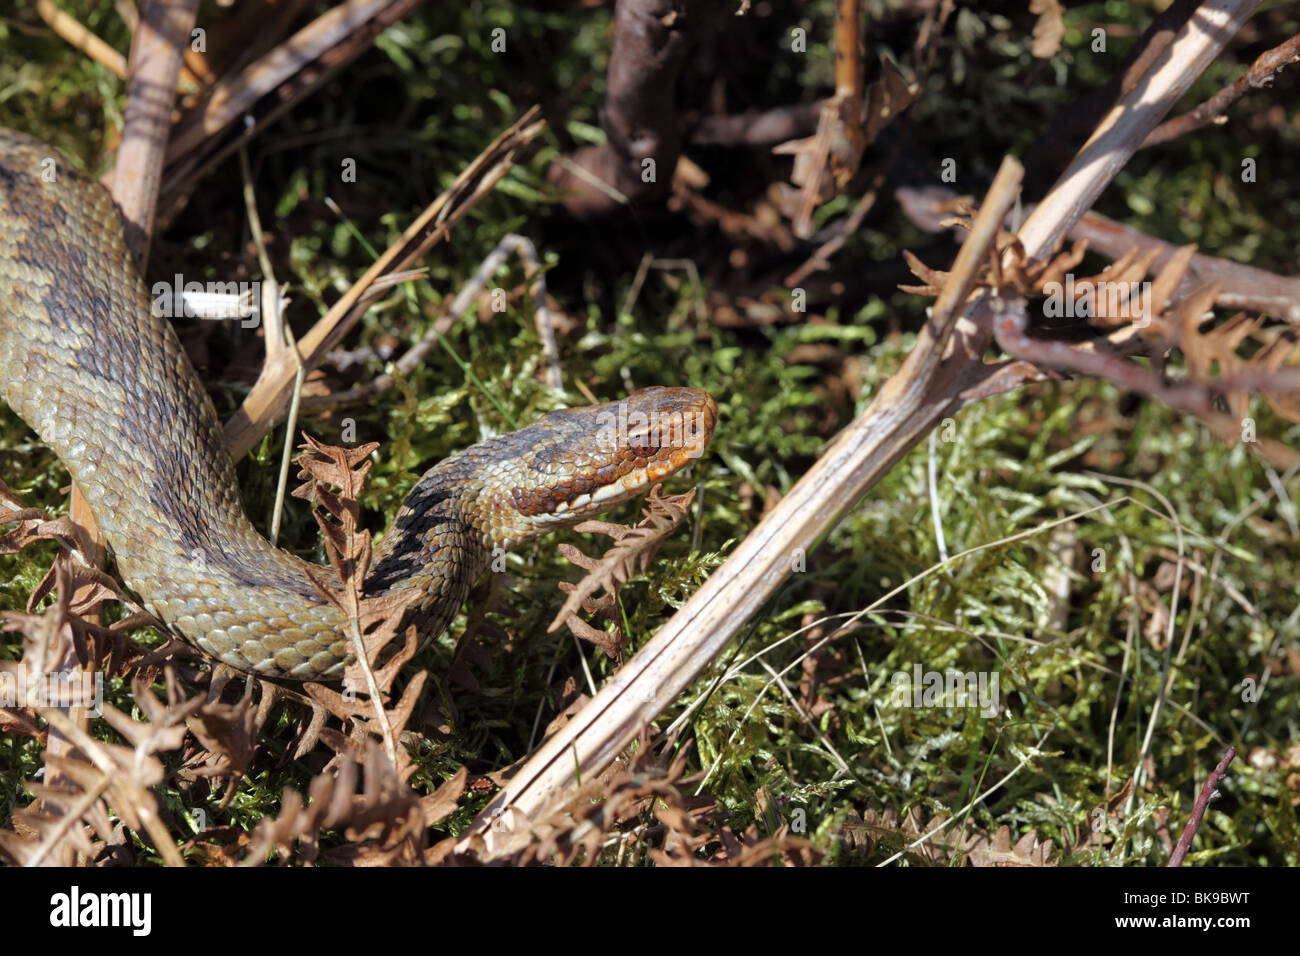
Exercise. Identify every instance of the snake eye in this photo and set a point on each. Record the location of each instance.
(644, 445)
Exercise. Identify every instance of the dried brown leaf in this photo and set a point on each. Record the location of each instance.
(444, 801)
(1050, 28)
(634, 549)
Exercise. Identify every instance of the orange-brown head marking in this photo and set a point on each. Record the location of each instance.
(578, 462)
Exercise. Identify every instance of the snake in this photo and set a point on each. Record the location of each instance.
(90, 365)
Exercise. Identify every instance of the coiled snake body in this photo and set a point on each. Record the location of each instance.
(105, 383)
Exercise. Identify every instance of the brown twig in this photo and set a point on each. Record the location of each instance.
(826, 161)
(1215, 109)
(265, 404)
(81, 38)
(1011, 330)
(640, 117)
(1062, 137)
(155, 67)
(848, 226)
(758, 128)
(1198, 811)
(927, 37)
(1127, 124)
(411, 359)
(272, 85)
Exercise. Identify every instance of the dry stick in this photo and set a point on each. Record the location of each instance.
(1011, 330)
(248, 34)
(1061, 138)
(1242, 286)
(80, 38)
(126, 9)
(758, 128)
(413, 357)
(648, 262)
(265, 404)
(1214, 110)
(849, 69)
(1129, 122)
(910, 403)
(273, 84)
(1198, 811)
(840, 232)
(640, 114)
(526, 251)
(233, 97)
(840, 136)
(908, 406)
(155, 67)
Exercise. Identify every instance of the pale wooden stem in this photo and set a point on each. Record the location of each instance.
(1123, 130)
(926, 389)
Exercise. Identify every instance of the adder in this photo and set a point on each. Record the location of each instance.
(86, 363)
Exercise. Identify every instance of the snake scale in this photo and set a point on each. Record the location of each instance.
(86, 363)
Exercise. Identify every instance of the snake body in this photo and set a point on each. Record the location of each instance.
(103, 380)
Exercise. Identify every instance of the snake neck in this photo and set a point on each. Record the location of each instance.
(435, 544)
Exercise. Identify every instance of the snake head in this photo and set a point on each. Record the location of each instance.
(580, 462)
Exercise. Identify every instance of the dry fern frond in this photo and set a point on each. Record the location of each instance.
(825, 163)
(1139, 316)
(1007, 268)
(1280, 358)
(886, 831)
(634, 548)
(228, 735)
(375, 621)
(67, 815)
(637, 807)
(999, 851)
(383, 824)
(81, 592)
(64, 824)
(34, 524)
